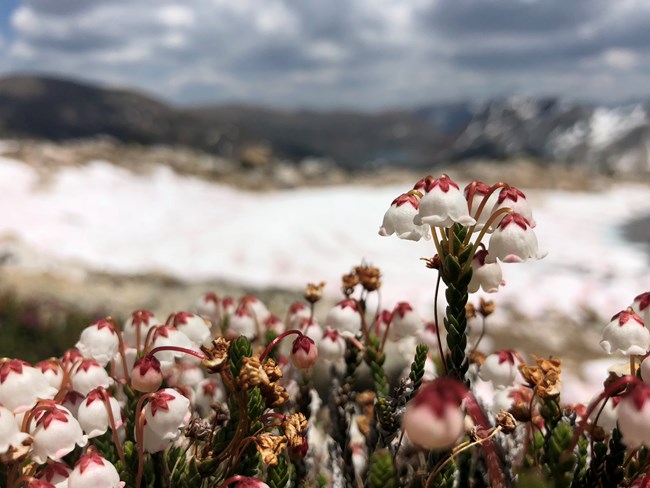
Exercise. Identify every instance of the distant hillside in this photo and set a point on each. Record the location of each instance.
(609, 139)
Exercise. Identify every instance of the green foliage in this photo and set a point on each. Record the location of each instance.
(560, 461)
(240, 348)
(375, 360)
(278, 475)
(417, 368)
(381, 472)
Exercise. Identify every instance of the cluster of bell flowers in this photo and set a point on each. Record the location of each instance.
(499, 210)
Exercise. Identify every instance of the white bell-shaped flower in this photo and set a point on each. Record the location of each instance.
(166, 412)
(513, 241)
(185, 375)
(487, 276)
(92, 470)
(21, 385)
(513, 198)
(72, 400)
(442, 204)
(344, 317)
(169, 336)
(405, 322)
(88, 376)
(193, 326)
(297, 312)
(428, 336)
(138, 323)
(332, 346)
(605, 416)
(257, 307)
(154, 442)
(634, 416)
(641, 306)
(130, 354)
(434, 419)
(502, 399)
(99, 341)
(92, 414)
(398, 219)
(56, 473)
(56, 433)
(209, 307)
(626, 333)
(499, 368)
(52, 372)
(10, 435)
(242, 323)
(480, 191)
(274, 323)
(207, 393)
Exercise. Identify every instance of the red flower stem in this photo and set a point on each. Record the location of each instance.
(611, 389)
(274, 342)
(150, 333)
(29, 417)
(483, 203)
(111, 419)
(139, 435)
(177, 349)
(121, 347)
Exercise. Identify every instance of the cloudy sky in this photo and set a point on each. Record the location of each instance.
(369, 54)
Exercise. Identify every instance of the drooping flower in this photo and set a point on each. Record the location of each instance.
(297, 312)
(146, 375)
(513, 198)
(209, 307)
(169, 336)
(405, 322)
(634, 415)
(56, 433)
(274, 323)
(626, 333)
(167, 412)
(207, 394)
(434, 419)
(499, 368)
(10, 435)
(99, 341)
(51, 371)
(304, 352)
(92, 414)
(344, 316)
(487, 276)
(139, 322)
(257, 307)
(93, 470)
(398, 219)
(442, 204)
(641, 306)
(56, 473)
(480, 190)
(21, 385)
(513, 241)
(332, 345)
(242, 323)
(89, 375)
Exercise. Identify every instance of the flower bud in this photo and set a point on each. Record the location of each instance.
(344, 316)
(56, 433)
(332, 345)
(142, 320)
(250, 483)
(487, 276)
(93, 470)
(99, 341)
(405, 322)
(499, 368)
(634, 416)
(10, 435)
(513, 241)
(626, 333)
(641, 306)
(398, 219)
(92, 414)
(195, 327)
(304, 352)
(434, 419)
(88, 376)
(21, 385)
(167, 412)
(442, 204)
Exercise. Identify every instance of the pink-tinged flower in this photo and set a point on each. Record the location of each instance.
(207, 393)
(99, 341)
(93, 417)
(56, 473)
(487, 276)
(10, 435)
(297, 312)
(499, 368)
(195, 327)
(634, 416)
(21, 385)
(94, 470)
(304, 352)
(382, 321)
(71, 401)
(344, 317)
(332, 346)
(228, 305)
(434, 419)
(169, 336)
(513, 241)
(398, 219)
(643, 482)
(257, 307)
(154, 442)
(56, 433)
(146, 375)
(209, 306)
(605, 416)
(480, 191)
(88, 376)
(167, 412)
(442, 204)
(243, 482)
(274, 323)
(405, 322)
(140, 319)
(626, 333)
(641, 306)
(242, 323)
(51, 371)
(511, 197)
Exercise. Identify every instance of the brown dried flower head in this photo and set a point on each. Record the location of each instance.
(369, 277)
(272, 370)
(544, 378)
(476, 357)
(432, 263)
(314, 292)
(486, 307)
(275, 395)
(470, 310)
(252, 374)
(506, 421)
(348, 282)
(198, 429)
(270, 446)
(294, 427)
(216, 355)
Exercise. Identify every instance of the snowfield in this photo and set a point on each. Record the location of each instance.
(106, 218)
